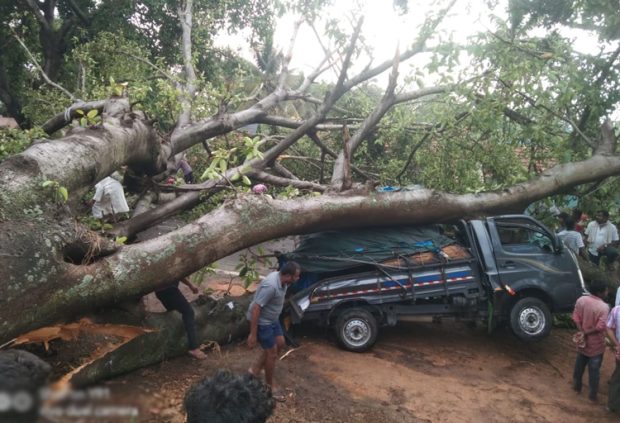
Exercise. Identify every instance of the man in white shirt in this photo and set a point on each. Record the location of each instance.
(571, 238)
(602, 238)
(109, 199)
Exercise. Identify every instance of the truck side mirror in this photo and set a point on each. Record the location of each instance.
(558, 245)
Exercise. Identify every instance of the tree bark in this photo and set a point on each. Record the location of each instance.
(10, 100)
(216, 322)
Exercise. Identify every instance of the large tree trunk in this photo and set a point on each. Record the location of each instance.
(221, 322)
(41, 287)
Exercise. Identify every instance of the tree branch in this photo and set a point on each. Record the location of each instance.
(159, 70)
(331, 99)
(387, 102)
(283, 171)
(325, 149)
(294, 124)
(79, 13)
(419, 46)
(608, 140)
(62, 119)
(188, 89)
(424, 138)
(37, 13)
(566, 119)
(40, 69)
(605, 72)
(325, 50)
(289, 55)
(277, 180)
(309, 160)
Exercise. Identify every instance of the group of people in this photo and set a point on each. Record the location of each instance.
(247, 398)
(597, 240)
(595, 322)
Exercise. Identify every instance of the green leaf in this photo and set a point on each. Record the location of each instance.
(47, 183)
(246, 180)
(63, 193)
(223, 165)
(235, 177)
(79, 112)
(91, 114)
(120, 240)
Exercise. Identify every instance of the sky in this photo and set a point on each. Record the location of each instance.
(384, 30)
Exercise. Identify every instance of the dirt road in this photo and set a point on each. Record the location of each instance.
(417, 372)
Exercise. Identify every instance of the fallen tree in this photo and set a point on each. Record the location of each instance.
(53, 268)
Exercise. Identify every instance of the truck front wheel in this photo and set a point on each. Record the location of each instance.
(356, 329)
(530, 319)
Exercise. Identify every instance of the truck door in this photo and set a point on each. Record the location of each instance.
(526, 256)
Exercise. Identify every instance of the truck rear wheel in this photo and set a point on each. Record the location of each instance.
(356, 329)
(530, 319)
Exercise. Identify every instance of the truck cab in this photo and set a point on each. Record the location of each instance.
(530, 270)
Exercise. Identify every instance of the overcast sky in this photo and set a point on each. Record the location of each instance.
(384, 30)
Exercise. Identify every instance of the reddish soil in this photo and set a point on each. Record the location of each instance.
(417, 372)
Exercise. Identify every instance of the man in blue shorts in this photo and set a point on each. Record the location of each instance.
(263, 314)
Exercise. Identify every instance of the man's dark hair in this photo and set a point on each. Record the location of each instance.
(562, 216)
(597, 287)
(605, 213)
(229, 398)
(22, 374)
(290, 268)
(569, 224)
(577, 213)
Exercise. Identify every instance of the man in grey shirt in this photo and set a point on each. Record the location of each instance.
(263, 314)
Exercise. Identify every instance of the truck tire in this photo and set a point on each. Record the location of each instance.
(356, 329)
(530, 319)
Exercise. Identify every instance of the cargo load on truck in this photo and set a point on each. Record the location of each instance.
(330, 253)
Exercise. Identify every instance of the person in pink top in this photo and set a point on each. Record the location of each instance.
(590, 316)
(613, 332)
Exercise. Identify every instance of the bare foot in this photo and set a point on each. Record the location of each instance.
(278, 394)
(197, 354)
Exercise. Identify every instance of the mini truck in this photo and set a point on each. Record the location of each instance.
(504, 269)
